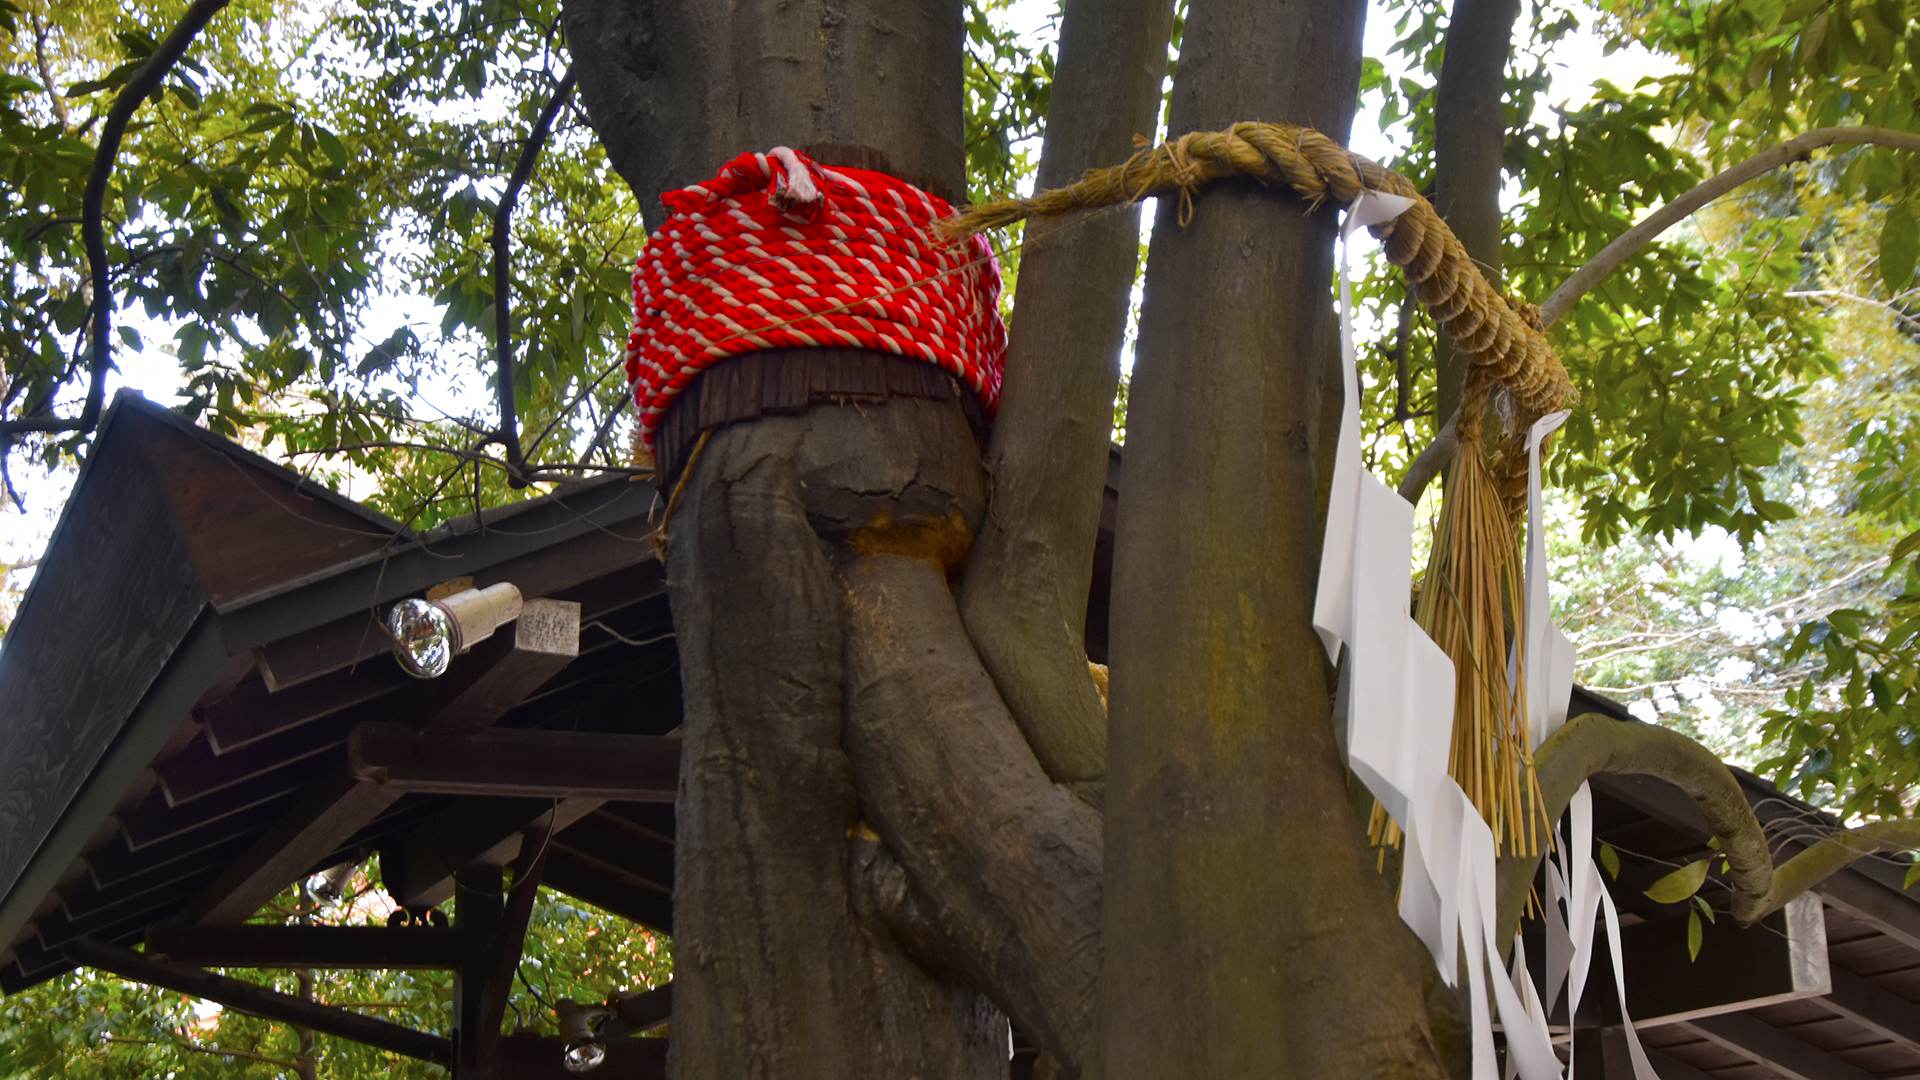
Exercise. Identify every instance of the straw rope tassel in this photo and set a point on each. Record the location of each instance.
(1472, 590)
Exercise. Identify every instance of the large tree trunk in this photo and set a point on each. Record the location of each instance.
(1246, 931)
(676, 88)
(775, 972)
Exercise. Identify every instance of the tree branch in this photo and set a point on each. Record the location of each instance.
(1631, 241)
(1593, 744)
(500, 239)
(1583, 280)
(1024, 598)
(142, 83)
(1431, 460)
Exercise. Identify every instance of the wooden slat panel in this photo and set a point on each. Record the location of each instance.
(601, 839)
(253, 712)
(114, 863)
(1765, 1045)
(151, 820)
(197, 770)
(607, 892)
(1878, 1010)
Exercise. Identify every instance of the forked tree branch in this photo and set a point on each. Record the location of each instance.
(500, 240)
(142, 83)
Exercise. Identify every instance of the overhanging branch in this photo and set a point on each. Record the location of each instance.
(1585, 279)
(500, 240)
(1593, 744)
(1631, 241)
(93, 231)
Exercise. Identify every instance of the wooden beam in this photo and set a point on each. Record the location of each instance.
(255, 712)
(525, 764)
(1781, 958)
(477, 915)
(504, 950)
(1768, 1046)
(495, 677)
(609, 893)
(330, 948)
(1884, 1012)
(644, 1011)
(417, 869)
(533, 1057)
(244, 997)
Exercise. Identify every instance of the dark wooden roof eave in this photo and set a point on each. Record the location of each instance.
(180, 560)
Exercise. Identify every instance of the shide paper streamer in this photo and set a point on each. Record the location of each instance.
(1397, 695)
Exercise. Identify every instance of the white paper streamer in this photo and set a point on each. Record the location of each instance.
(1573, 877)
(1398, 703)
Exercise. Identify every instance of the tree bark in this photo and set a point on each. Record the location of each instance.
(1244, 922)
(1005, 866)
(1469, 152)
(675, 90)
(775, 973)
(1025, 596)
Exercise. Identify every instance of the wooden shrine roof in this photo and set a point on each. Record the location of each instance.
(179, 687)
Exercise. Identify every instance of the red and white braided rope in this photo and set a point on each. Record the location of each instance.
(778, 251)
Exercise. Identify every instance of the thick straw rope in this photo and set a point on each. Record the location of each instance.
(1471, 580)
(1501, 336)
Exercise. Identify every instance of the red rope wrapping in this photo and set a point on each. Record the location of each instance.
(780, 252)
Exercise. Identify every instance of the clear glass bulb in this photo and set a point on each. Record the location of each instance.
(584, 1055)
(422, 637)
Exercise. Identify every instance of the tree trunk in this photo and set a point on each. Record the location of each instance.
(1469, 152)
(677, 89)
(1025, 597)
(775, 972)
(1246, 931)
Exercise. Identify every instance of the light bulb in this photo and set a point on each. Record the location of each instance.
(423, 637)
(584, 1055)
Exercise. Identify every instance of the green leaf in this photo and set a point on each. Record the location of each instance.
(1694, 934)
(331, 145)
(1700, 904)
(1610, 860)
(111, 79)
(1899, 247)
(1913, 874)
(1680, 884)
(132, 337)
(1906, 546)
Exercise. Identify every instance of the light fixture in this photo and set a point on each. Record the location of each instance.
(579, 1023)
(428, 634)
